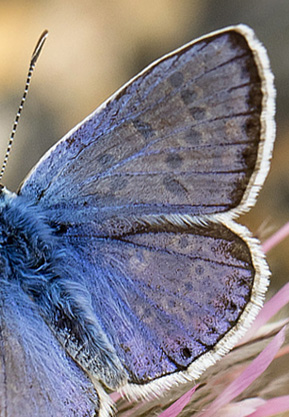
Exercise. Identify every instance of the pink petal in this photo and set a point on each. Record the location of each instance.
(179, 405)
(283, 351)
(115, 396)
(272, 407)
(280, 235)
(279, 300)
(252, 372)
(242, 408)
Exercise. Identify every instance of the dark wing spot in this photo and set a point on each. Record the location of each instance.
(253, 127)
(188, 286)
(193, 137)
(183, 242)
(125, 348)
(199, 270)
(174, 186)
(188, 96)
(70, 141)
(249, 157)
(254, 100)
(238, 189)
(174, 160)
(232, 307)
(105, 159)
(198, 113)
(143, 128)
(186, 353)
(176, 79)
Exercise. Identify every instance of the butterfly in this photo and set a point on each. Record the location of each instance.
(122, 266)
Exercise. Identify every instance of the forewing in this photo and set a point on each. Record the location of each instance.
(190, 134)
(37, 378)
(174, 301)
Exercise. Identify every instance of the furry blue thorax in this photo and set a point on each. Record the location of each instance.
(30, 253)
(35, 254)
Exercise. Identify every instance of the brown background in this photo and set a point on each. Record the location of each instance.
(95, 46)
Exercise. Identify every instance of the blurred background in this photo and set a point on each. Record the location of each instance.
(94, 46)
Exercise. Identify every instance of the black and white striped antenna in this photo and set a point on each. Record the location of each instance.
(34, 58)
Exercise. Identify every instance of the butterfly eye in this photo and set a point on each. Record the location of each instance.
(62, 228)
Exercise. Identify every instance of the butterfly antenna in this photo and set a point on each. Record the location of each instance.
(34, 58)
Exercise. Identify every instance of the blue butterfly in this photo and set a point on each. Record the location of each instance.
(122, 267)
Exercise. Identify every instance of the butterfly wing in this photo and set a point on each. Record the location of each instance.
(191, 134)
(186, 142)
(37, 378)
(175, 300)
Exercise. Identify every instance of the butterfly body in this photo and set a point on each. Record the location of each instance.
(123, 240)
(36, 258)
